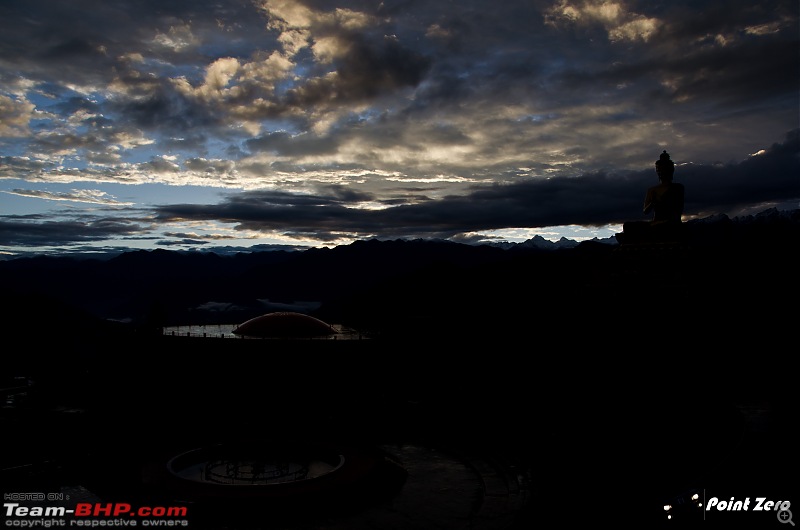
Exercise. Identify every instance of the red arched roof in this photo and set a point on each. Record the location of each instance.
(284, 324)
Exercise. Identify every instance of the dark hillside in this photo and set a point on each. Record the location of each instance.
(741, 269)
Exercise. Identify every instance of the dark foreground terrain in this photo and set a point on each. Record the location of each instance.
(479, 433)
(557, 390)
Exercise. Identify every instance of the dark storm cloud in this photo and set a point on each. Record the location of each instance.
(732, 76)
(181, 242)
(481, 50)
(738, 74)
(367, 70)
(31, 231)
(261, 209)
(83, 42)
(161, 106)
(771, 177)
(58, 31)
(684, 23)
(282, 143)
(734, 52)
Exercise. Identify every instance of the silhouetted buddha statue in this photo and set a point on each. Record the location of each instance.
(665, 202)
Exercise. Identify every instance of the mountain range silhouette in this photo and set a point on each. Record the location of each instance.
(734, 266)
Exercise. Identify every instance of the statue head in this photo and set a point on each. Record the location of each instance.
(665, 167)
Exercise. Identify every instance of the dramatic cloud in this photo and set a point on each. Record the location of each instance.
(299, 121)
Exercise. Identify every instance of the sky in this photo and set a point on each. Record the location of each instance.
(238, 124)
